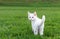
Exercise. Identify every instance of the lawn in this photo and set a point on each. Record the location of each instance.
(14, 23)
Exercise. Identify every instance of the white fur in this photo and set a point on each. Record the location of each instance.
(37, 24)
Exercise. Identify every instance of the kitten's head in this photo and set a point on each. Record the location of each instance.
(32, 16)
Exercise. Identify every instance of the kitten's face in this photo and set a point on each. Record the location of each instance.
(31, 16)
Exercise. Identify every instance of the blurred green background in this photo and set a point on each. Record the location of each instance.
(34, 3)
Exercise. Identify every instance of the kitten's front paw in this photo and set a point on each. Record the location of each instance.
(41, 34)
(35, 33)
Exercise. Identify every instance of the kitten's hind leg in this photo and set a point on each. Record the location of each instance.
(41, 30)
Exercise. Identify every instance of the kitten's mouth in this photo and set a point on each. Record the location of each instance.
(32, 20)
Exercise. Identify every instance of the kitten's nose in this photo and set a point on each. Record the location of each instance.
(31, 19)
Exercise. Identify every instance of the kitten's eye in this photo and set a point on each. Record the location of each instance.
(32, 17)
(29, 17)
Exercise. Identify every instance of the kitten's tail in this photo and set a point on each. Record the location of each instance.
(43, 19)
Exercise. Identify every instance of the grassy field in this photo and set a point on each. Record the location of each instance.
(14, 23)
(31, 3)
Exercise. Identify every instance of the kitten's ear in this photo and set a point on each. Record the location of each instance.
(28, 12)
(35, 13)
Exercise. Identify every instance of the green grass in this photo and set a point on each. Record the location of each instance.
(31, 3)
(14, 23)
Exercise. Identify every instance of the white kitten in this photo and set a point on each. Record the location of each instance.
(37, 24)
